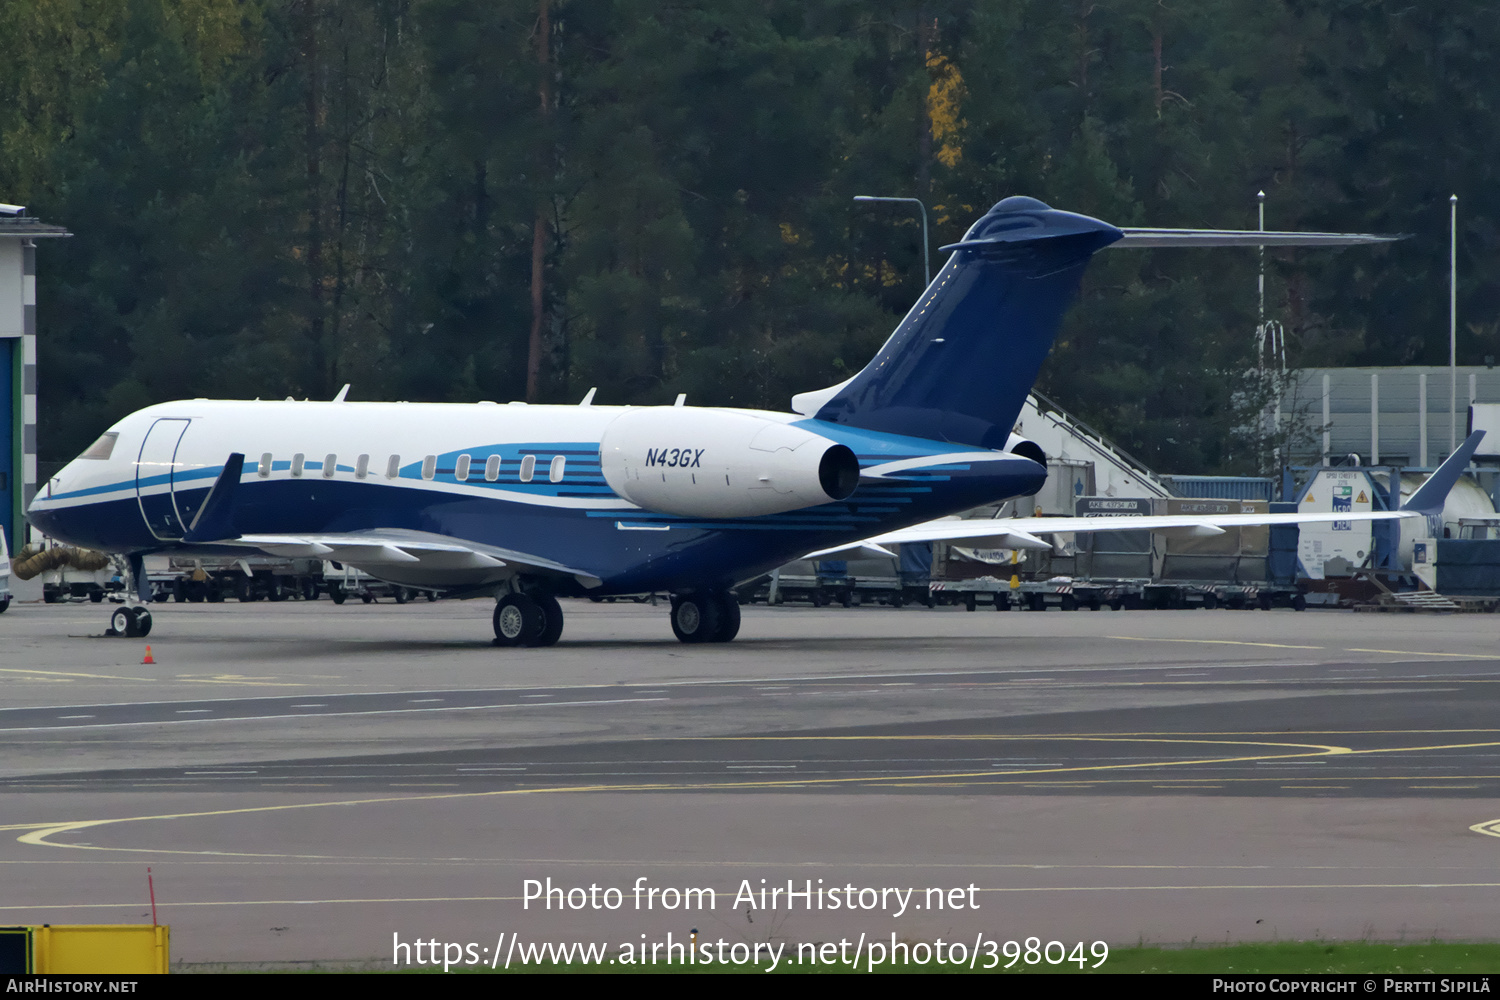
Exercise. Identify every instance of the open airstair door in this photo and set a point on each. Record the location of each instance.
(155, 485)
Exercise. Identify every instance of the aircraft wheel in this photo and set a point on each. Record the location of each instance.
(5, 603)
(695, 617)
(553, 613)
(142, 623)
(400, 594)
(729, 618)
(276, 590)
(121, 622)
(519, 621)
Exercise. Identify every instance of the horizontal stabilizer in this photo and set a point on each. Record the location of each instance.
(1242, 238)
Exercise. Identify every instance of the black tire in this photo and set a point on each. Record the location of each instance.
(309, 589)
(518, 621)
(552, 630)
(1210, 601)
(122, 622)
(1069, 603)
(336, 593)
(4, 604)
(1299, 603)
(400, 594)
(276, 590)
(1002, 601)
(98, 595)
(971, 602)
(367, 597)
(431, 596)
(695, 617)
(49, 596)
(142, 623)
(729, 618)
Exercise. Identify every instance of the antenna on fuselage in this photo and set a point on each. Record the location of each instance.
(588, 397)
(343, 394)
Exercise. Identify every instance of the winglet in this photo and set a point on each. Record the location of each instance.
(1429, 499)
(215, 519)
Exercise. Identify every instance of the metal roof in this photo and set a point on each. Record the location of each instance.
(29, 227)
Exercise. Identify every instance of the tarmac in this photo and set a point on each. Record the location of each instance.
(318, 785)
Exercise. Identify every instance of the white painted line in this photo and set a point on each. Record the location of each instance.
(192, 711)
(281, 718)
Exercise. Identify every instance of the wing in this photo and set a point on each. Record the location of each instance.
(1021, 533)
(414, 557)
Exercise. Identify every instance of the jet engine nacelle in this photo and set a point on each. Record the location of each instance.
(1026, 448)
(717, 463)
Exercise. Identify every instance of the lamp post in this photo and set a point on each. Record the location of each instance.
(926, 263)
(1453, 324)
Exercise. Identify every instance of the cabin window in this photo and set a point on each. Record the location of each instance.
(528, 468)
(492, 468)
(461, 469)
(298, 460)
(330, 465)
(265, 465)
(429, 466)
(102, 448)
(393, 467)
(555, 470)
(362, 467)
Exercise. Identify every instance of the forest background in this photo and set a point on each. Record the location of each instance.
(456, 200)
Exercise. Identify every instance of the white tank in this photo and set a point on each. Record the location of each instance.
(1466, 500)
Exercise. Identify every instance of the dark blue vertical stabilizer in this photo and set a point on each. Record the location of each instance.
(959, 366)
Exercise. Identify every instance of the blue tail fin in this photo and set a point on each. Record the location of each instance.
(959, 366)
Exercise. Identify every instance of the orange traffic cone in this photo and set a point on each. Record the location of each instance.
(149, 658)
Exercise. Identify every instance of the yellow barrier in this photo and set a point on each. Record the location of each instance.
(71, 949)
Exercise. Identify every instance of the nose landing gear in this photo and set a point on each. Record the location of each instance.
(131, 622)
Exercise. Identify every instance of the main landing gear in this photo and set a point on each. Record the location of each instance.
(705, 616)
(523, 620)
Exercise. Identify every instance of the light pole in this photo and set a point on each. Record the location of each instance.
(926, 263)
(1453, 324)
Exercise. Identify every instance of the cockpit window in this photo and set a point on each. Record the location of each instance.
(102, 448)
